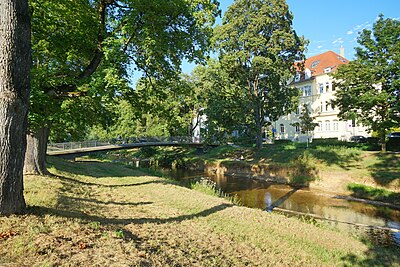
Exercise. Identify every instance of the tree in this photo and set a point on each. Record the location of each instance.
(15, 63)
(369, 86)
(306, 123)
(86, 49)
(222, 101)
(258, 47)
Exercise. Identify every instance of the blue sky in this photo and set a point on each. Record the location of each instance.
(329, 24)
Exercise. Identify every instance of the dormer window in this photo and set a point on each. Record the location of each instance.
(315, 64)
(328, 69)
(297, 78)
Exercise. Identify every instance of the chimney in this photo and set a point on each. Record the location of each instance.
(342, 51)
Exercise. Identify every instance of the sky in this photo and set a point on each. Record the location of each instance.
(330, 24)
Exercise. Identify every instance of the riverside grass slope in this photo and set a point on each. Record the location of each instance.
(102, 214)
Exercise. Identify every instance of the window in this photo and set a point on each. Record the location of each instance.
(333, 87)
(297, 127)
(315, 64)
(319, 127)
(327, 70)
(327, 106)
(321, 88)
(336, 126)
(321, 107)
(307, 90)
(327, 125)
(297, 111)
(327, 87)
(282, 128)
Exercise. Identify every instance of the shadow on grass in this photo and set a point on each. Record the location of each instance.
(342, 156)
(108, 202)
(377, 255)
(387, 169)
(96, 169)
(70, 180)
(41, 211)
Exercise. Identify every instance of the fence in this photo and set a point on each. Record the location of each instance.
(120, 141)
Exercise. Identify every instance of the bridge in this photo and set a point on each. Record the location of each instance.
(89, 147)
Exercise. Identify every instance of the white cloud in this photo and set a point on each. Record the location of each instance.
(338, 40)
(362, 26)
(349, 32)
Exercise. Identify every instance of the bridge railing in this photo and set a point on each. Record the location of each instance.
(120, 141)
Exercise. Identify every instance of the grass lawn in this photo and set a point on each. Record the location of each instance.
(102, 214)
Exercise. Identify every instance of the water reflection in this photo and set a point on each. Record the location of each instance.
(267, 196)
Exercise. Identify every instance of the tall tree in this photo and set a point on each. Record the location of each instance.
(258, 47)
(85, 48)
(222, 101)
(15, 63)
(369, 86)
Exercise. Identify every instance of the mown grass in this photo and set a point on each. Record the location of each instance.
(103, 214)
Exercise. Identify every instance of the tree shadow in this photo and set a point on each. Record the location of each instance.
(387, 169)
(70, 180)
(280, 200)
(96, 169)
(108, 202)
(378, 254)
(341, 156)
(42, 211)
(333, 156)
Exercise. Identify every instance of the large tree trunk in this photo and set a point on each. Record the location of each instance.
(35, 157)
(15, 63)
(259, 125)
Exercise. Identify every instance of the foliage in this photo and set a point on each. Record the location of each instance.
(85, 49)
(224, 103)
(258, 48)
(306, 123)
(369, 86)
(304, 170)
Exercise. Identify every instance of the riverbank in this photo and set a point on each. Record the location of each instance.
(103, 214)
(345, 169)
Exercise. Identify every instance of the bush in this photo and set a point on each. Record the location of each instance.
(283, 141)
(304, 170)
(147, 152)
(393, 144)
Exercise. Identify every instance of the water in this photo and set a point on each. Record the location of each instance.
(339, 212)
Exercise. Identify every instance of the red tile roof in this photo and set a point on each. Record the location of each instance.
(326, 60)
(317, 64)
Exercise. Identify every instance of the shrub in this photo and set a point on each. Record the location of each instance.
(304, 170)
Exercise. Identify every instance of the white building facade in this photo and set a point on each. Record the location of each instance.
(317, 90)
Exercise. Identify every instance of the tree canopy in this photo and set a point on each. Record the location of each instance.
(369, 86)
(258, 48)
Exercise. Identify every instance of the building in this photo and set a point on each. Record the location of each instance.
(316, 90)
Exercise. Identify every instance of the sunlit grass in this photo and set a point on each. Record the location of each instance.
(103, 214)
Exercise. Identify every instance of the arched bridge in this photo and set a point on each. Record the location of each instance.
(88, 147)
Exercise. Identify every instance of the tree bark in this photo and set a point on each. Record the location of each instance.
(258, 118)
(15, 63)
(35, 157)
(383, 141)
